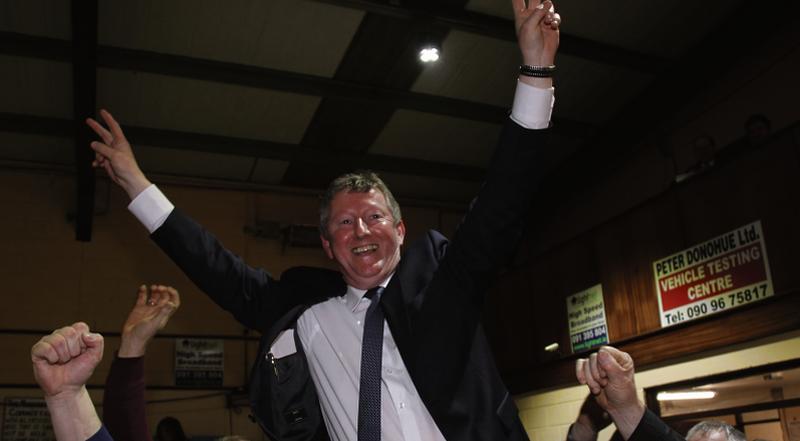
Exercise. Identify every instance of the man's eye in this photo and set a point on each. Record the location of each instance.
(345, 222)
(375, 216)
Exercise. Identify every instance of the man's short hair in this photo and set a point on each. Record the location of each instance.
(361, 181)
(704, 429)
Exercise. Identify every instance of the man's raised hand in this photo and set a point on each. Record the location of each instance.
(537, 25)
(149, 315)
(64, 360)
(113, 153)
(610, 376)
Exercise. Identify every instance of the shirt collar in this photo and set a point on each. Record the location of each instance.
(353, 295)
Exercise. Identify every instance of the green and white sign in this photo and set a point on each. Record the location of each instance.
(587, 319)
(199, 362)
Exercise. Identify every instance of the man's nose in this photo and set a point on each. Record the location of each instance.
(361, 228)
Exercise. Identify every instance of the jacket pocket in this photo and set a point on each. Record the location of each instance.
(285, 398)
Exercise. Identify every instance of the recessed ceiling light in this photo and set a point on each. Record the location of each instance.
(429, 54)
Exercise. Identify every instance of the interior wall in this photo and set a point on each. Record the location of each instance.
(764, 431)
(599, 236)
(763, 83)
(790, 419)
(634, 213)
(528, 309)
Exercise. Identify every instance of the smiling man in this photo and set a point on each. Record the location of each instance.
(361, 228)
(388, 347)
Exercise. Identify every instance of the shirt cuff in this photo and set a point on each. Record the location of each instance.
(151, 207)
(533, 106)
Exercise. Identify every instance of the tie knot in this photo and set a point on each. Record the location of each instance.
(374, 292)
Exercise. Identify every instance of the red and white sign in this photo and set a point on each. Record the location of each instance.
(722, 273)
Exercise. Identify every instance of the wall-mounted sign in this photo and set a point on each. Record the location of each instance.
(199, 362)
(725, 272)
(26, 419)
(586, 313)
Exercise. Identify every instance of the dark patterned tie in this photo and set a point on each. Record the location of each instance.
(369, 392)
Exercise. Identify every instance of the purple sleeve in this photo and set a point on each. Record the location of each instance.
(123, 401)
(101, 435)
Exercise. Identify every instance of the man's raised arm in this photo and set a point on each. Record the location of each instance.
(124, 400)
(250, 294)
(610, 376)
(62, 364)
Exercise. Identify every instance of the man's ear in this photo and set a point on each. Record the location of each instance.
(401, 230)
(326, 245)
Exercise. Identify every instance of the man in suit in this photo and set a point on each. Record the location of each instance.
(711, 430)
(436, 373)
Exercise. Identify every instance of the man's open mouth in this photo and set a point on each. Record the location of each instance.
(365, 249)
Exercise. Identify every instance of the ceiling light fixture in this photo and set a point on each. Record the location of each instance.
(429, 54)
(690, 395)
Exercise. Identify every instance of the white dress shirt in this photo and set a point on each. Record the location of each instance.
(331, 331)
(331, 334)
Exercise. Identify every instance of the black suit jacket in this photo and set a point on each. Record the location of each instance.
(652, 428)
(432, 306)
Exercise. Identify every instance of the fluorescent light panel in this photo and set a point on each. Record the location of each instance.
(689, 395)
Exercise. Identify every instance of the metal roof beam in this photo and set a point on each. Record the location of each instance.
(263, 78)
(84, 91)
(227, 145)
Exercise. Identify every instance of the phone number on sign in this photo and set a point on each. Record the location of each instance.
(717, 304)
(589, 334)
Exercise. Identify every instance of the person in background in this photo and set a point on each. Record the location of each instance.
(590, 421)
(123, 400)
(64, 361)
(170, 429)
(714, 431)
(62, 364)
(609, 374)
(704, 151)
(758, 129)
(757, 132)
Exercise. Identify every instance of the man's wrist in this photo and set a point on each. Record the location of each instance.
(537, 60)
(627, 419)
(73, 415)
(136, 186)
(66, 397)
(541, 83)
(131, 348)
